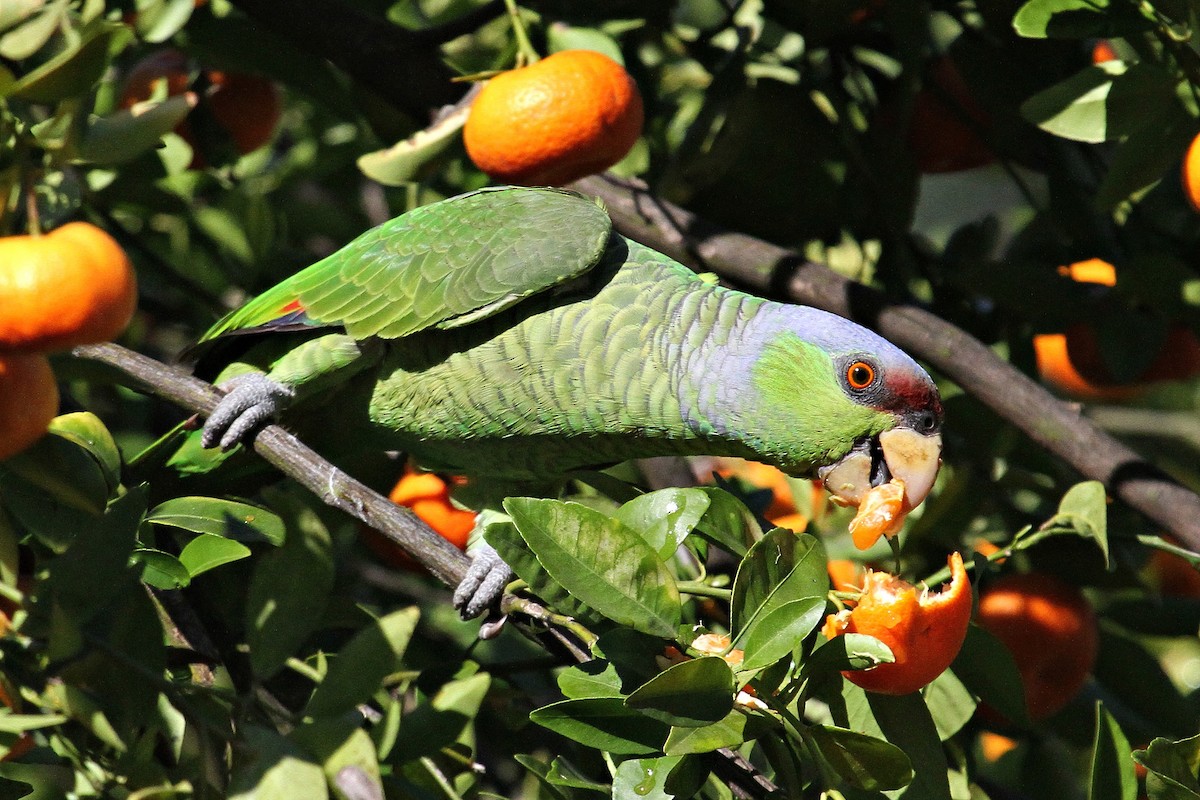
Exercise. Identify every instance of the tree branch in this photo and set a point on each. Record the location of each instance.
(1057, 426)
(294, 459)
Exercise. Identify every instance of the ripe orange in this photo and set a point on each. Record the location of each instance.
(429, 498)
(1050, 629)
(574, 113)
(924, 630)
(1191, 173)
(246, 107)
(1103, 51)
(28, 401)
(1073, 362)
(72, 286)
(1172, 575)
(845, 575)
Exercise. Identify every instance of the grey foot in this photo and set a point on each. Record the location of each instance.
(250, 401)
(484, 582)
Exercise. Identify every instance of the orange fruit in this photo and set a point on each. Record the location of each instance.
(943, 133)
(572, 114)
(880, 513)
(245, 107)
(429, 498)
(28, 400)
(1191, 173)
(1172, 575)
(1073, 361)
(72, 286)
(1051, 631)
(924, 630)
(845, 575)
(1103, 51)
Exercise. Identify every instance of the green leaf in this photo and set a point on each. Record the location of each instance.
(691, 694)
(905, 722)
(1101, 102)
(644, 778)
(727, 522)
(288, 592)
(208, 551)
(1171, 768)
(163, 19)
(1078, 19)
(505, 537)
(227, 518)
(1113, 777)
(563, 773)
(125, 134)
(23, 41)
(950, 704)
(600, 562)
(65, 468)
(541, 773)
(780, 568)
(74, 71)
(561, 36)
(737, 727)
(400, 163)
(14, 12)
(1084, 510)
(605, 724)
(86, 430)
(1141, 161)
(864, 762)
(440, 722)
(161, 570)
(360, 666)
(780, 631)
(54, 522)
(595, 678)
(850, 651)
(986, 667)
(88, 575)
(664, 518)
(269, 767)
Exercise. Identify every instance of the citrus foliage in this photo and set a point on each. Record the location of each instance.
(229, 635)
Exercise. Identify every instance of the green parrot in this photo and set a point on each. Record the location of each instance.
(512, 333)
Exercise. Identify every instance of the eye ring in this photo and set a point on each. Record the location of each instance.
(860, 375)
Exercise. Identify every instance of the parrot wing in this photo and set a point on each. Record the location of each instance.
(442, 265)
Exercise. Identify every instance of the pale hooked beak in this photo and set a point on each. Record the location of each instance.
(899, 453)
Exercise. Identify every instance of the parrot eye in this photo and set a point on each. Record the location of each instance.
(860, 375)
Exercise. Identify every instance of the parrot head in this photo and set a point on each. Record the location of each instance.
(851, 408)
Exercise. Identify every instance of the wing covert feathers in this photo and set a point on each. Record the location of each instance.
(443, 264)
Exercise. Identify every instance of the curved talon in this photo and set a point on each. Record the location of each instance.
(250, 401)
(484, 582)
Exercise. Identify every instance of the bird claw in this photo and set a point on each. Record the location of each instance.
(251, 401)
(484, 582)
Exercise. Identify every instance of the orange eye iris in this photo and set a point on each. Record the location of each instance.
(860, 375)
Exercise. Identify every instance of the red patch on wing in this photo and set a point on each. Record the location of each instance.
(294, 305)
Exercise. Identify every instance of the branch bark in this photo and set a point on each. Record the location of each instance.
(1057, 426)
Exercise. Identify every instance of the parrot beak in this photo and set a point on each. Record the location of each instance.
(899, 453)
(913, 458)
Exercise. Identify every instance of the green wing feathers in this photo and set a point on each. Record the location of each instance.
(440, 265)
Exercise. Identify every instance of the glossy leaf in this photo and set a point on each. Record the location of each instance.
(507, 540)
(600, 562)
(638, 778)
(439, 723)
(905, 722)
(161, 570)
(986, 668)
(22, 41)
(605, 724)
(1077, 19)
(737, 727)
(728, 522)
(595, 678)
(864, 762)
(272, 768)
(1084, 509)
(1113, 777)
(128, 133)
(1172, 768)
(691, 694)
(664, 518)
(227, 518)
(360, 667)
(1101, 102)
(401, 162)
(74, 71)
(950, 704)
(777, 633)
(848, 651)
(288, 591)
(208, 551)
(780, 568)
